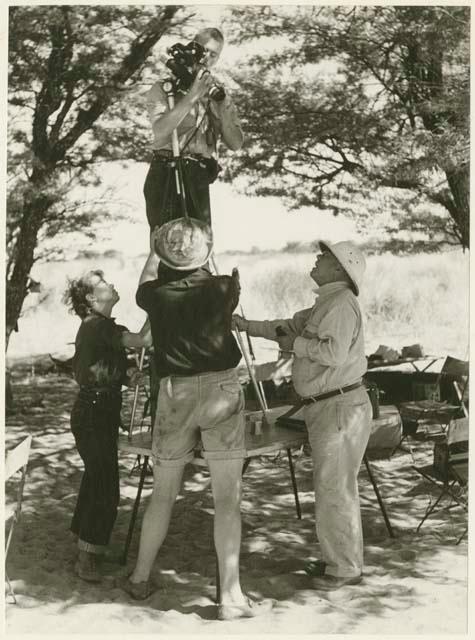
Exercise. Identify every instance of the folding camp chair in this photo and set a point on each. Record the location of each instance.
(449, 470)
(16, 461)
(429, 419)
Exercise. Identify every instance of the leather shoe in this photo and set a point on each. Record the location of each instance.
(330, 583)
(137, 590)
(86, 567)
(315, 568)
(250, 609)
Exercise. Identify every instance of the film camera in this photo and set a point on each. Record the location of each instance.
(182, 63)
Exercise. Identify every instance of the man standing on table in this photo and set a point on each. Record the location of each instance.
(200, 399)
(329, 363)
(202, 116)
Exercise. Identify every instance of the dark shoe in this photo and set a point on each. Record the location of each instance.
(108, 558)
(250, 609)
(330, 583)
(315, 568)
(86, 567)
(137, 590)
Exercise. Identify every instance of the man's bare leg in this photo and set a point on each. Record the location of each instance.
(226, 483)
(167, 483)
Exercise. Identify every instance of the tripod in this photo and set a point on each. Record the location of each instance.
(168, 86)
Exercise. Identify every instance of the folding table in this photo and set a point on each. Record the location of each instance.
(386, 364)
(273, 439)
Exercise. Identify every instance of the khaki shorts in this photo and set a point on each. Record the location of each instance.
(206, 408)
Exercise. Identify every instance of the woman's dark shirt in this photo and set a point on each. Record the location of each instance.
(190, 316)
(100, 359)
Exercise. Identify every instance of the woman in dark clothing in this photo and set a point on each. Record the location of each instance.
(100, 369)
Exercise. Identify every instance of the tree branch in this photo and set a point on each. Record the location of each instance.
(49, 97)
(139, 50)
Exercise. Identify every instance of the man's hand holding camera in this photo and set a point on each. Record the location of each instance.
(190, 67)
(201, 85)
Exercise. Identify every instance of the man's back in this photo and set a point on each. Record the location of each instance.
(191, 321)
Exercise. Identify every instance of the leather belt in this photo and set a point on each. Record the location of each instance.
(89, 391)
(167, 154)
(330, 394)
(313, 399)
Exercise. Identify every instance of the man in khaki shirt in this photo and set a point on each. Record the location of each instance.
(329, 362)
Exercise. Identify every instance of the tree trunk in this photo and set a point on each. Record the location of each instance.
(9, 403)
(459, 183)
(35, 206)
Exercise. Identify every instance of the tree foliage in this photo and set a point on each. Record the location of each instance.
(361, 109)
(72, 69)
(358, 108)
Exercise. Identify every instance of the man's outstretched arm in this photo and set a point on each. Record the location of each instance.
(283, 331)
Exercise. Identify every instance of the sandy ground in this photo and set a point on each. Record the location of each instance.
(416, 583)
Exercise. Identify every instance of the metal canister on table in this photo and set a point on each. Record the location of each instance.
(256, 425)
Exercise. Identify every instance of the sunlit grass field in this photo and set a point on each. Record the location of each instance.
(406, 299)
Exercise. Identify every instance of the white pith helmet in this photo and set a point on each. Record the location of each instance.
(351, 259)
(184, 244)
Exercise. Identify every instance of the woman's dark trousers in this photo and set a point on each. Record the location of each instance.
(95, 423)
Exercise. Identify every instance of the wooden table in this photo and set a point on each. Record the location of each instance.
(386, 364)
(274, 438)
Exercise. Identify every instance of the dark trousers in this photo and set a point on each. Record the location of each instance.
(164, 204)
(95, 426)
(161, 198)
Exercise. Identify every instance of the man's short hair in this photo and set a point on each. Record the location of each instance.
(209, 33)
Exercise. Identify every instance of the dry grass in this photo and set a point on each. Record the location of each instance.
(419, 298)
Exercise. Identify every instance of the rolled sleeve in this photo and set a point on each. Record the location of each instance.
(156, 102)
(145, 295)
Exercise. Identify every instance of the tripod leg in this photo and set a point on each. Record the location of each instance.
(135, 510)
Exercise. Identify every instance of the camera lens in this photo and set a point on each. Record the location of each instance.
(217, 93)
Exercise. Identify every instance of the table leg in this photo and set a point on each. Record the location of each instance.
(462, 536)
(430, 509)
(247, 462)
(135, 509)
(218, 581)
(11, 593)
(425, 368)
(294, 484)
(378, 496)
(136, 464)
